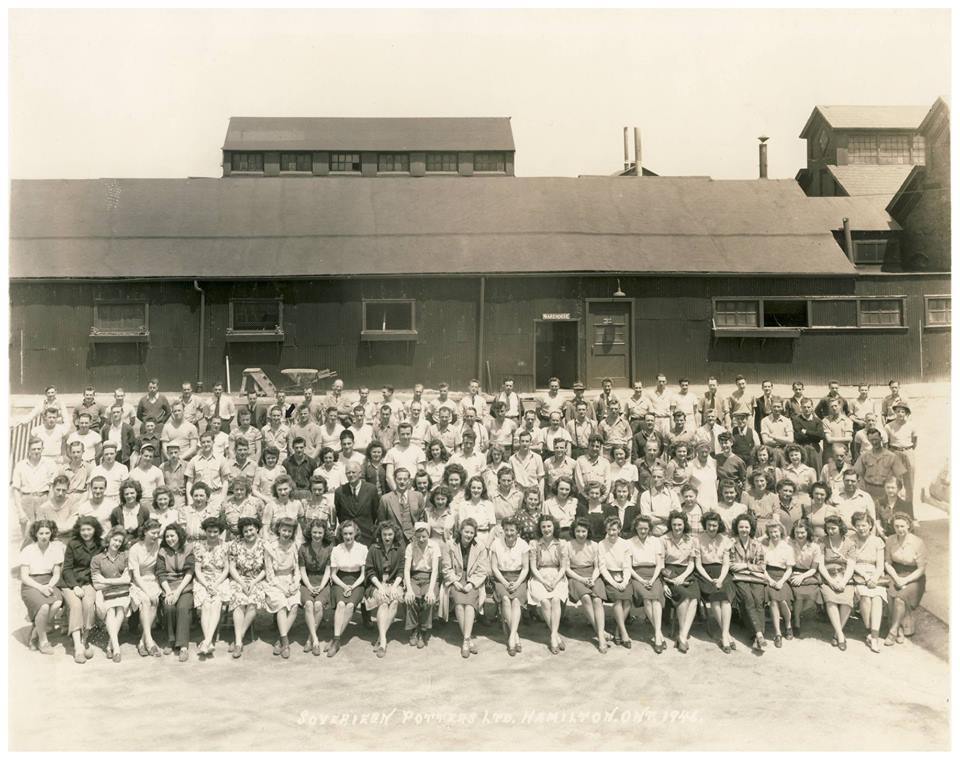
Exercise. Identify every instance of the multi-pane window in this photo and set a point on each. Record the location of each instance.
(345, 162)
(736, 313)
(393, 162)
(881, 312)
(938, 311)
(869, 251)
(296, 162)
(919, 150)
(256, 314)
(246, 162)
(120, 317)
(894, 149)
(441, 162)
(489, 162)
(862, 149)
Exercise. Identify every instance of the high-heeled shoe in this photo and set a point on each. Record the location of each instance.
(683, 646)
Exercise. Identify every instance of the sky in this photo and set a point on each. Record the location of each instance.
(138, 93)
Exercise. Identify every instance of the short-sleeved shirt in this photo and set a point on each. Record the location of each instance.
(150, 480)
(806, 555)
(40, 562)
(913, 551)
(548, 554)
(114, 477)
(586, 556)
(677, 552)
(564, 513)
(32, 478)
(408, 458)
(314, 562)
(617, 556)
(91, 440)
(780, 555)
(900, 435)
(840, 429)
(211, 470)
(648, 551)
(348, 560)
(712, 550)
(183, 435)
(482, 512)
(509, 558)
(108, 568)
(421, 560)
(52, 439)
(527, 471)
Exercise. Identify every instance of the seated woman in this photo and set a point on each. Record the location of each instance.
(61, 508)
(759, 501)
(374, 471)
(765, 461)
(729, 508)
(41, 564)
(318, 506)
(712, 551)
(347, 562)
(110, 575)
(314, 562)
(596, 511)
(890, 505)
(616, 561)
(509, 567)
(479, 507)
(384, 579)
(283, 505)
(162, 507)
(465, 568)
(421, 572)
(548, 585)
(820, 508)
(805, 578)
(801, 474)
(528, 516)
(583, 574)
(145, 590)
(562, 506)
(905, 558)
(199, 509)
(211, 586)
(175, 570)
(281, 592)
(778, 568)
(868, 549)
(131, 514)
(747, 567)
(76, 584)
(247, 562)
(837, 564)
(681, 586)
(437, 456)
(648, 558)
(240, 502)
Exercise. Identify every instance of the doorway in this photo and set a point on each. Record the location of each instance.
(556, 352)
(609, 342)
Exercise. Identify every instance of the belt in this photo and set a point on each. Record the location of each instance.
(483, 530)
(900, 448)
(33, 493)
(875, 485)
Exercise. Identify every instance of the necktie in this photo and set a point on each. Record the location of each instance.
(216, 407)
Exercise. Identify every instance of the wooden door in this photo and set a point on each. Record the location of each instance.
(608, 343)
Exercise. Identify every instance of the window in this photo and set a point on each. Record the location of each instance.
(296, 162)
(869, 251)
(834, 312)
(489, 162)
(881, 312)
(737, 313)
(246, 162)
(393, 162)
(120, 320)
(894, 149)
(938, 311)
(919, 150)
(785, 313)
(345, 162)
(389, 319)
(441, 162)
(862, 149)
(256, 315)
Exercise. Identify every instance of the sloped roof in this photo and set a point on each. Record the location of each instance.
(880, 181)
(867, 117)
(368, 134)
(289, 227)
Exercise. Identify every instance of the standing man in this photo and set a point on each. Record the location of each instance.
(713, 400)
(341, 402)
(468, 457)
(793, 407)
(194, 410)
(688, 402)
(662, 404)
(593, 467)
(442, 401)
(119, 433)
(146, 473)
(31, 481)
(512, 402)
(77, 471)
(570, 405)
(615, 430)
(421, 428)
(394, 405)
(739, 401)
(745, 438)
(605, 398)
(308, 430)
(636, 406)
(903, 440)
(315, 405)
(776, 430)
(258, 414)
(90, 406)
(550, 402)
(876, 464)
(836, 428)
(222, 406)
(581, 430)
(91, 440)
(298, 465)
(154, 404)
(207, 467)
(129, 410)
(763, 404)
(808, 434)
(50, 400)
(526, 464)
(475, 400)
(358, 501)
(860, 407)
(647, 431)
(178, 431)
(443, 430)
(175, 474)
(403, 454)
(275, 433)
(833, 394)
(51, 434)
(112, 471)
(886, 408)
(330, 429)
(471, 424)
(361, 429)
(403, 506)
(148, 435)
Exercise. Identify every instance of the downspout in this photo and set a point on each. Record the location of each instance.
(203, 305)
(480, 336)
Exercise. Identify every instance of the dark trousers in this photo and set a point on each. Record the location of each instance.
(178, 620)
(419, 613)
(750, 599)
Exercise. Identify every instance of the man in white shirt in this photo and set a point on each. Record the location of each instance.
(468, 457)
(222, 406)
(636, 406)
(442, 401)
(550, 402)
(330, 429)
(776, 430)
(147, 474)
(221, 441)
(52, 434)
(403, 454)
(307, 429)
(662, 404)
(31, 483)
(853, 499)
(112, 471)
(471, 423)
(50, 400)
(444, 431)
(514, 406)
(275, 433)
(688, 402)
(473, 399)
(395, 405)
(194, 410)
(421, 428)
(553, 432)
(592, 466)
(348, 453)
(90, 439)
(526, 464)
(129, 410)
(179, 431)
(530, 425)
(703, 474)
(361, 429)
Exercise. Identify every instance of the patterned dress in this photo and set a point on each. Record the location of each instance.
(284, 592)
(249, 560)
(210, 564)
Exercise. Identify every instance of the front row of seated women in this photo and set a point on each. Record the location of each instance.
(96, 575)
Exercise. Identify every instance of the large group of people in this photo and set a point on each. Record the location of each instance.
(661, 504)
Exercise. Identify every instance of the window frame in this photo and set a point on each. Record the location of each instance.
(254, 335)
(297, 154)
(870, 240)
(927, 324)
(359, 162)
(235, 153)
(388, 335)
(441, 153)
(760, 331)
(393, 158)
(486, 153)
(100, 335)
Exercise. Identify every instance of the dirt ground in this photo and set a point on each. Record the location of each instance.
(807, 695)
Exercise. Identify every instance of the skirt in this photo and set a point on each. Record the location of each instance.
(537, 592)
(241, 596)
(615, 594)
(709, 591)
(863, 591)
(321, 597)
(119, 598)
(336, 593)
(469, 598)
(219, 594)
(690, 589)
(912, 593)
(500, 591)
(809, 589)
(282, 594)
(374, 597)
(783, 594)
(149, 594)
(34, 600)
(830, 596)
(579, 589)
(643, 594)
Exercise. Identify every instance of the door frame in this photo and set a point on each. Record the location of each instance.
(580, 349)
(632, 364)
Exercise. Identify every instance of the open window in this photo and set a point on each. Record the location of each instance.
(389, 319)
(255, 319)
(120, 322)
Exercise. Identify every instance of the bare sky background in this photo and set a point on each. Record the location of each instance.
(148, 93)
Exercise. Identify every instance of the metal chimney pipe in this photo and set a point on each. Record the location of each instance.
(638, 154)
(848, 239)
(763, 156)
(626, 150)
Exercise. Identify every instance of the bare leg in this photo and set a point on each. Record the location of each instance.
(620, 615)
(598, 621)
(341, 618)
(148, 613)
(556, 612)
(42, 623)
(312, 621)
(586, 604)
(467, 622)
(775, 618)
(514, 618)
(897, 614)
(726, 611)
(654, 611)
(114, 620)
(687, 613)
(209, 617)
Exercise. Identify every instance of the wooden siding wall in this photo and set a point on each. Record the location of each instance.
(322, 323)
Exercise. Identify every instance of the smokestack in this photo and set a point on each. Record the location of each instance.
(626, 150)
(847, 239)
(638, 154)
(763, 156)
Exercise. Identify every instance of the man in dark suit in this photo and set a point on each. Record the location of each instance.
(403, 506)
(258, 412)
(357, 500)
(121, 434)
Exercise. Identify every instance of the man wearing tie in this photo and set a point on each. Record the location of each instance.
(222, 406)
(357, 500)
(402, 507)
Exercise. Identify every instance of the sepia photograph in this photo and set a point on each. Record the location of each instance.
(456, 379)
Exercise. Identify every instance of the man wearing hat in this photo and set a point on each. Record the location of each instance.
(745, 438)
(581, 428)
(112, 471)
(421, 574)
(570, 406)
(902, 437)
(146, 473)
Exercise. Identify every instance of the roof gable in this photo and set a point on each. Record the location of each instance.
(866, 117)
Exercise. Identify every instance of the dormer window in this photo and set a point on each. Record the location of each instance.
(296, 162)
(246, 162)
(393, 162)
(489, 162)
(345, 163)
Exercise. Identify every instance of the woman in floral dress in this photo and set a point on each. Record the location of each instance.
(247, 574)
(211, 587)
